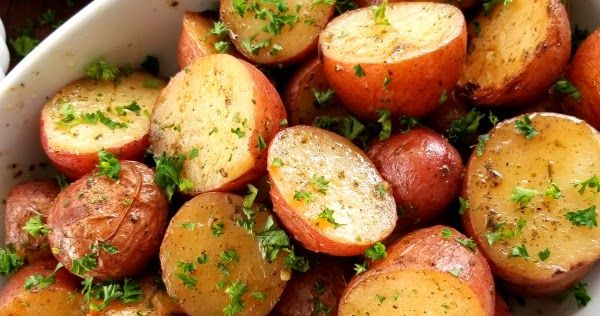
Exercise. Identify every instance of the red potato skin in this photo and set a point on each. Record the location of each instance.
(74, 165)
(584, 73)
(426, 249)
(22, 203)
(437, 71)
(501, 308)
(303, 111)
(299, 296)
(462, 4)
(93, 209)
(442, 118)
(424, 171)
(269, 112)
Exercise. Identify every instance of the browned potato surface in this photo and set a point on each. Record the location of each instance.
(206, 257)
(427, 272)
(327, 193)
(424, 171)
(314, 292)
(516, 67)
(301, 92)
(227, 110)
(72, 140)
(584, 74)
(270, 33)
(404, 66)
(60, 298)
(26, 202)
(527, 210)
(96, 213)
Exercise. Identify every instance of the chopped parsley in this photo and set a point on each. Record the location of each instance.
(133, 107)
(296, 263)
(544, 254)
(9, 260)
(217, 228)
(222, 46)
(238, 131)
(185, 276)
(524, 127)
(360, 268)
(152, 83)
(581, 295)
(443, 97)
(502, 233)
(111, 291)
(85, 264)
(481, 141)
(188, 225)
(523, 196)
(518, 251)
(235, 290)
(386, 123)
(323, 98)
(464, 205)
(109, 248)
(346, 126)
(488, 5)
(240, 6)
(271, 240)
(253, 48)
(277, 162)
(381, 189)
(304, 196)
(327, 214)
(23, 45)
(565, 87)
(248, 209)
(553, 191)
(592, 183)
(168, 174)
(376, 251)
(358, 71)
(379, 14)
(320, 184)
(35, 227)
(62, 181)
(69, 119)
(467, 243)
(40, 281)
(229, 256)
(259, 295)
(464, 126)
(407, 123)
(219, 29)
(585, 217)
(455, 271)
(446, 233)
(100, 69)
(202, 259)
(342, 6)
(108, 164)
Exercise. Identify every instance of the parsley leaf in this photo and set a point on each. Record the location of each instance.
(518, 251)
(84, 264)
(132, 293)
(544, 254)
(100, 69)
(62, 181)
(40, 281)
(303, 196)
(323, 98)
(23, 45)
(361, 268)
(386, 123)
(386, 82)
(133, 107)
(219, 29)
(277, 162)
(553, 191)
(376, 251)
(188, 225)
(581, 295)
(501, 233)
(229, 256)
(168, 173)
(358, 71)
(585, 217)
(592, 183)
(217, 228)
(320, 184)
(564, 86)
(464, 205)
(296, 263)
(108, 294)
(261, 142)
(9, 260)
(379, 13)
(35, 227)
(222, 46)
(467, 243)
(446, 233)
(346, 126)
(464, 126)
(109, 248)
(524, 127)
(345, 5)
(523, 196)
(248, 209)
(240, 6)
(327, 214)
(108, 164)
(235, 290)
(272, 239)
(481, 141)
(455, 271)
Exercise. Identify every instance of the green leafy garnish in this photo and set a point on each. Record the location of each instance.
(323, 98)
(271, 240)
(35, 227)
(320, 184)
(261, 142)
(188, 225)
(524, 127)
(108, 164)
(133, 107)
(467, 243)
(358, 71)
(327, 214)
(347, 126)
(523, 196)
(446, 233)
(502, 233)
(360, 268)
(592, 183)
(544, 254)
(217, 228)
(564, 86)
(386, 82)
(222, 46)
(455, 271)
(379, 13)
(386, 123)
(235, 290)
(296, 263)
(518, 251)
(585, 217)
(443, 97)
(376, 251)
(39, 281)
(238, 131)
(553, 191)
(100, 69)
(277, 162)
(62, 181)
(463, 205)
(464, 126)
(108, 248)
(23, 45)
(481, 141)
(581, 295)
(9, 260)
(168, 174)
(84, 264)
(303, 196)
(229, 255)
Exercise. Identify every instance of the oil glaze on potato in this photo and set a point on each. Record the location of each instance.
(299, 97)
(515, 67)
(424, 273)
(73, 148)
(407, 65)
(314, 292)
(207, 225)
(62, 297)
(265, 42)
(129, 214)
(424, 171)
(223, 107)
(195, 40)
(565, 150)
(584, 74)
(350, 188)
(25, 201)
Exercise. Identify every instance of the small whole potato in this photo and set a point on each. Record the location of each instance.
(424, 171)
(110, 227)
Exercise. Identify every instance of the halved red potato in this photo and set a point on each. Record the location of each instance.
(61, 297)
(502, 308)
(327, 192)
(526, 210)
(427, 272)
(301, 92)
(514, 68)
(424, 171)
(314, 292)
(26, 202)
(210, 263)
(115, 226)
(227, 110)
(404, 67)
(276, 32)
(583, 73)
(87, 116)
(463, 4)
(442, 119)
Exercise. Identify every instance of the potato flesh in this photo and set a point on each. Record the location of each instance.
(88, 96)
(565, 150)
(411, 292)
(46, 302)
(293, 39)
(364, 215)
(499, 54)
(200, 108)
(415, 29)
(182, 244)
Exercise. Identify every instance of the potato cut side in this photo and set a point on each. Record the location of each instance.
(267, 33)
(463, 4)
(195, 40)
(314, 172)
(228, 111)
(202, 235)
(505, 67)
(411, 292)
(564, 152)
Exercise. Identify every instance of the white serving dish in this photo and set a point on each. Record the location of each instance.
(125, 31)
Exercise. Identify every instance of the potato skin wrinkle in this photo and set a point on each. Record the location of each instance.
(510, 160)
(506, 67)
(419, 55)
(129, 214)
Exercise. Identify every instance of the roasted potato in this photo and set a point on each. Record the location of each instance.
(462, 4)
(276, 33)
(583, 73)
(308, 95)
(227, 110)
(196, 39)
(424, 171)
(513, 67)
(327, 193)
(54, 294)
(87, 116)
(213, 265)
(314, 292)
(109, 229)
(29, 203)
(442, 119)
(431, 271)
(527, 205)
(501, 308)
(404, 66)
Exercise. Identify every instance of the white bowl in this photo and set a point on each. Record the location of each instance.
(125, 31)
